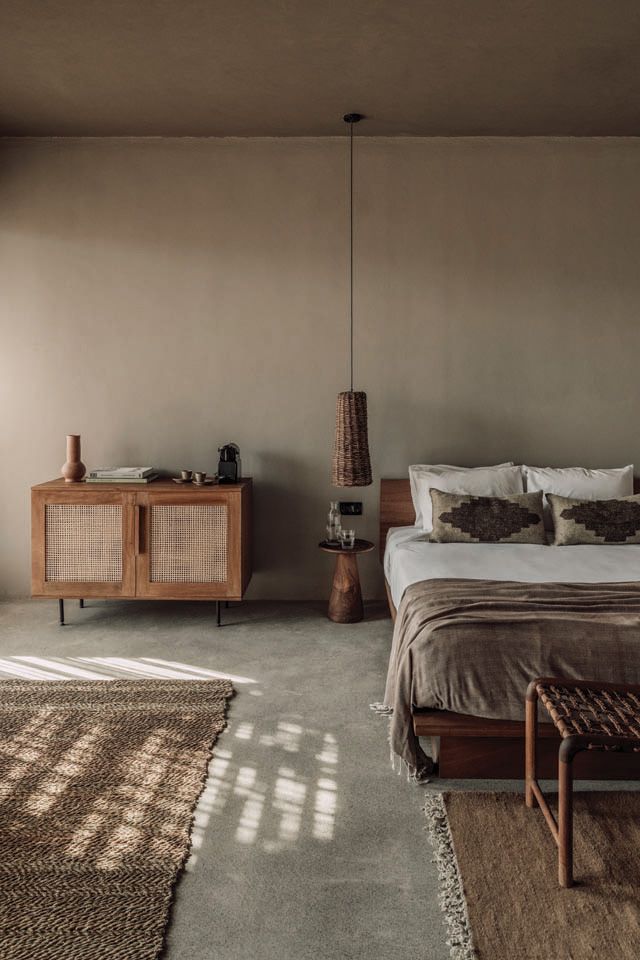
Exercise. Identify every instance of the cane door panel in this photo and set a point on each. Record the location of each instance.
(186, 547)
(82, 545)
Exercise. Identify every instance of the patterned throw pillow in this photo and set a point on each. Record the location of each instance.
(460, 518)
(595, 521)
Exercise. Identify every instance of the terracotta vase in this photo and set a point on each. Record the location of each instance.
(74, 469)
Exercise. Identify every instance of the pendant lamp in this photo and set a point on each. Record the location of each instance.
(351, 465)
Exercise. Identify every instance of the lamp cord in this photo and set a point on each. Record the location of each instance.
(351, 250)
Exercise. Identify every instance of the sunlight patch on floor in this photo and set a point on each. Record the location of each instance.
(275, 800)
(244, 731)
(109, 668)
(199, 673)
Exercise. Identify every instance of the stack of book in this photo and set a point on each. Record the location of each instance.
(122, 475)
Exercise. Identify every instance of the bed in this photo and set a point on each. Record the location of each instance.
(482, 736)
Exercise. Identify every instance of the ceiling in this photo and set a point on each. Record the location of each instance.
(293, 67)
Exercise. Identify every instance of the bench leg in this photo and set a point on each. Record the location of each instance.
(565, 822)
(531, 737)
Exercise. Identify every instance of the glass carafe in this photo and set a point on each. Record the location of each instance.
(334, 524)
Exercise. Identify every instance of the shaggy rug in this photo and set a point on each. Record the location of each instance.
(98, 784)
(498, 870)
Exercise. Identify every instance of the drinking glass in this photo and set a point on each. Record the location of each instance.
(347, 539)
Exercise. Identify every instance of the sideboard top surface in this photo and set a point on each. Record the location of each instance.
(162, 485)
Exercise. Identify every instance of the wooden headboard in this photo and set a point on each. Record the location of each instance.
(396, 507)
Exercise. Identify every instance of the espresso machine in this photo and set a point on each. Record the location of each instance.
(229, 467)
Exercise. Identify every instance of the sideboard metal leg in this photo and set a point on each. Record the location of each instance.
(81, 604)
(218, 612)
(61, 612)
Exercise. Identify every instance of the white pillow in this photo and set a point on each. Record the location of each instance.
(581, 483)
(416, 469)
(479, 482)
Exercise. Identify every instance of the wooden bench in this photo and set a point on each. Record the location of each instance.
(588, 715)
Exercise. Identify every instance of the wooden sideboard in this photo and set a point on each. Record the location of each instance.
(161, 540)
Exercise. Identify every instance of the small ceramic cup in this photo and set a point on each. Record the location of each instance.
(186, 475)
(199, 476)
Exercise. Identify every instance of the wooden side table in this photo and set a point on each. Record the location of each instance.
(345, 602)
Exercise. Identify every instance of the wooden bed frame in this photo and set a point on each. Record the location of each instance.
(474, 747)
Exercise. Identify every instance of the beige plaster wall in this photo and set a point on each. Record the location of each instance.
(161, 297)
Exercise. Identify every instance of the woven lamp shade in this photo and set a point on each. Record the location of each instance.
(351, 465)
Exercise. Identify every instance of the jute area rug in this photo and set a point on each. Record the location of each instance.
(98, 784)
(498, 870)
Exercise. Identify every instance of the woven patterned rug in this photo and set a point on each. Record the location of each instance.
(498, 870)
(98, 784)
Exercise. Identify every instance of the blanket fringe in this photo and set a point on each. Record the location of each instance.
(398, 765)
(451, 898)
(381, 709)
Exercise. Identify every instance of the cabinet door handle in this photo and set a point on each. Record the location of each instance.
(140, 522)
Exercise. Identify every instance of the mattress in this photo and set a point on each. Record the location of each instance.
(409, 558)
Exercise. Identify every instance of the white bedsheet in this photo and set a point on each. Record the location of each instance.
(410, 558)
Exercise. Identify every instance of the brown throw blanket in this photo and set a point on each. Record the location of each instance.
(472, 646)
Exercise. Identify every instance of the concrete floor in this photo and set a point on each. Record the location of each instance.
(306, 845)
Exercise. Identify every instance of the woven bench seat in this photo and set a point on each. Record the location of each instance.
(588, 716)
(593, 711)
